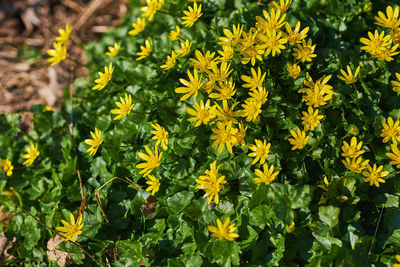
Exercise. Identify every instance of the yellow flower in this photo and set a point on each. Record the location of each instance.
(71, 229)
(113, 50)
(191, 87)
(95, 142)
(171, 61)
(398, 261)
(395, 34)
(211, 183)
(145, 51)
(252, 53)
(377, 43)
(391, 21)
(290, 227)
(311, 119)
(273, 42)
(48, 108)
(152, 6)
(353, 150)
(395, 156)
(251, 110)
(294, 70)
(104, 78)
(225, 135)
(154, 184)
(202, 63)
(318, 93)
(355, 164)
(240, 135)
(299, 139)
(185, 48)
(124, 107)
(259, 95)
(202, 113)
(192, 15)
(260, 151)
(226, 54)
(390, 131)
(231, 39)
(6, 166)
(266, 176)
(223, 231)
(348, 77)
(175, 35)
(304, 51)
(225, 90)
(64, 34)
(272, 21)
(161, 135)
(57, 54)
(295, 36)
(152, 160)
(283, 5)
(138, 27)
(226, 114)
(221, 73)
(374, 175)
(32, 153)
(208, 86)
(255, 81)
(396, 84)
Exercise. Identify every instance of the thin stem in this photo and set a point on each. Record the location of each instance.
(376, 231)
(116, 85)
(167, 13)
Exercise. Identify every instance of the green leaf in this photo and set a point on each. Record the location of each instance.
(329, 215)
(179, 201)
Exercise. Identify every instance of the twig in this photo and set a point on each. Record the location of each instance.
(87, 12)
(376, 231)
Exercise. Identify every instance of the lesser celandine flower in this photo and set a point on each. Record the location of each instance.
(396, 84)
(355, 164)
(299, 139)
(113, 50)
(394, 156)
(391, 21)
(377, 43)
(152, 6)
(224, 91)
(71, 229)
(225, 113)
(57, 54)
(349, 77)
(223, 231)
(224, 136)
(175, 35)
(266, 176)
(161, 135)
(145, 50)
(221, 73)
(185, 48)
(6, 166)
(374, 175)
(191, 87)
(226, 54)
(304, 51)
(202, 62)
(273, 42)
(295, 36)
(259, 95)
(32, 153)
(104, 78)
(273, 21)
(398, 261)
(202, 113)
(283, 5)
(192, 15)
(171, 61)
(153, 160)
(294, 70)
(318, 93)
(251, 110)
(95, 142)
(241, 134)
(64, 34)
(252, 53)
(231, 38)
(154, 184)
(260, 151)
(138, 27)
(124, 107)
(254, 81)
(211, 183)
(390, 131)
(311, 119)
(353, 150)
